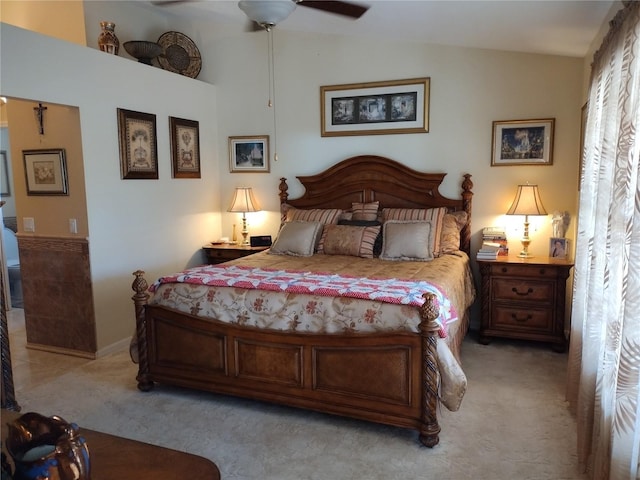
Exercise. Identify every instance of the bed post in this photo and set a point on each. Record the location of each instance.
(140, 298)
(467, 195)
(429, 428)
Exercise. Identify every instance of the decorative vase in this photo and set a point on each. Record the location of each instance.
(47, 448)
(107, 40)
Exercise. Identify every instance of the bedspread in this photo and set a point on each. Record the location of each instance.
(318, 312)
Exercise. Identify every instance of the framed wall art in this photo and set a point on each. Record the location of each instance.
(249, 154)
(375, 108)
(185, 148)
(46, 171)
(5, 185)
(522, 142)
(138, 145)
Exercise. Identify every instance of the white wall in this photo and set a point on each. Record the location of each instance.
(470, 88)
(158, 225)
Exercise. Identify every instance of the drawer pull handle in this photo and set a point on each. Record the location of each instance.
(515, 290)
(523, 319)
(504, 269)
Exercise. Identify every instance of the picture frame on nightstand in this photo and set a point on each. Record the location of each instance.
(558, 247)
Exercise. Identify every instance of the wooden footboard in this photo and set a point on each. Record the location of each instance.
(389, 378)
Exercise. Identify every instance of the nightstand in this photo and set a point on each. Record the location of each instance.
(225, 252)
(524, 298)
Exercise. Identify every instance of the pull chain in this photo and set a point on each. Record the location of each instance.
(270, 62)
(272, 91)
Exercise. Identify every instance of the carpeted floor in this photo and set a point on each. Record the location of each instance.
(514, 423)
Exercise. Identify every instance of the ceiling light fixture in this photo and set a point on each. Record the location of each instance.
(267, 13)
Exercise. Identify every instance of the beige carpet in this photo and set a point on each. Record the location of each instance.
(513, 423)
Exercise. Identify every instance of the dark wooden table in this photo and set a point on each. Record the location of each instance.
(119, 458)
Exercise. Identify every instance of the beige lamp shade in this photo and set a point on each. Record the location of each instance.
(243, 201)
(527, 201)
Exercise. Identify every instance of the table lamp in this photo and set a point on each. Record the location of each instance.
(243, 201)
(527, 202)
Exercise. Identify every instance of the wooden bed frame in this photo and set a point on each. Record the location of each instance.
(388, 378)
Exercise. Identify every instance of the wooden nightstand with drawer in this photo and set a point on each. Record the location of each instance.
(219, 253)
(524, 298)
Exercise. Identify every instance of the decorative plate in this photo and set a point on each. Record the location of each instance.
(180, 54)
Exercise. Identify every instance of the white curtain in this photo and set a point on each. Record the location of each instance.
(604, 354)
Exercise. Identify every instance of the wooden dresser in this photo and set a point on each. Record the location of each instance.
(524, 298)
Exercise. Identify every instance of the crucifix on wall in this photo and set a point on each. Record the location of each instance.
(39, 111)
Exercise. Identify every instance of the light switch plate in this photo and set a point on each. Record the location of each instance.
(28, 224)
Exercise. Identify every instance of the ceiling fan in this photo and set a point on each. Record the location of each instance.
(266, 14)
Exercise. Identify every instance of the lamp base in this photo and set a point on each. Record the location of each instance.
(525, 243)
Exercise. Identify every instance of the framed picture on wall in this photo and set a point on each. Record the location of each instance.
(5, 185)
(375, 108)
(138, 145)
(522, 142)
(249, 154)
(45, 171)
(185, 148)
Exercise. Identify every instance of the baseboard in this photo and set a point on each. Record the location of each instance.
(117, 347)
(60, 350)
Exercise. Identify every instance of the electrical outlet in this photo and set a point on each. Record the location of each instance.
(73, 225)
(28, 224)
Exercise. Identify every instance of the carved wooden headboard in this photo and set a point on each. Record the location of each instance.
(368, 178)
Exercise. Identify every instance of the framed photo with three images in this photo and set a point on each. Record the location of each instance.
(375, 108)
(46, 171)
(249, 154)
(138, 145)
(185, 148)
(522, 142)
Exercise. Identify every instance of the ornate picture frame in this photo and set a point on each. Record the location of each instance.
(45, 171)
(375, 108)
(249, 154)
(185, 148)
(522, 142)
(138, 145)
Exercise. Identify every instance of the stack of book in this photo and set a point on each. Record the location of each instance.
(489, 251)
(496, 235)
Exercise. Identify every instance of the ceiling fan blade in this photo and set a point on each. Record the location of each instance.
(166, 3)
(348, 9)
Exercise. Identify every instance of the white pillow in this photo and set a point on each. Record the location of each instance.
(297, 238)
(406, 240)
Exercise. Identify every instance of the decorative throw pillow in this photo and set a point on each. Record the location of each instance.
(325, 216)
(406, 240)
(377, 246)
(364, 211)
(297, 239)
(452, 225)
(348, 240)
(433, 215)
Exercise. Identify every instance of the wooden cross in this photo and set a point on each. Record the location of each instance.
(39, 111)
